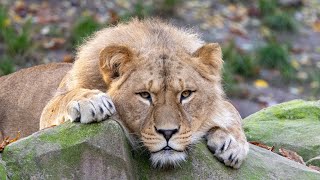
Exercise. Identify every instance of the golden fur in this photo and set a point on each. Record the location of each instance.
(24, 94)
(165, 85)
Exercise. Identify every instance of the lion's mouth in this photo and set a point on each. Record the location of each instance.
(167, 149)
(167, 156)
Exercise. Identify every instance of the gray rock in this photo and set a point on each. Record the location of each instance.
(101, 151)
(260, 164)
(71, 151)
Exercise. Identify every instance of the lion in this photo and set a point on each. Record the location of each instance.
(24, 94)
(164, 84)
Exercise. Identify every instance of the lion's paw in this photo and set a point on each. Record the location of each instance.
(97, 106)
(226, 148)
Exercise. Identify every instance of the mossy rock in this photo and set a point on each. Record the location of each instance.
(314, 161)
(3, 171)
(260, 164)
(71, 151)
(76, 151)
(293, 125)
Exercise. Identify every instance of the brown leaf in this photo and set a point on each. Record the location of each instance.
(114, 17)
(254, 11)
(262, 145)
(238, 30)
(68, 58)
(314, 167)
(20, 8)
(7, 141)
(49, 127)
(316, 26)
(54, 43)
(291, 155)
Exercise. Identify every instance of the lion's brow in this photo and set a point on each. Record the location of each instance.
(165, 73)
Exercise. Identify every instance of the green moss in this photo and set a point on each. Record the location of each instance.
(11, 156)
(71, 134)
(293, 125)
(3, 171)
(69, 137)
(56, 152)
(41, 156)
(292, 110)
(65, 136)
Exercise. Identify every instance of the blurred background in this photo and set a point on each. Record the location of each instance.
(271, 48)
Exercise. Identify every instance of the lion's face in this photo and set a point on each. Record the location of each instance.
(165, 99)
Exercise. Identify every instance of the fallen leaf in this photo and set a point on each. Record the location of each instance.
(45, 30)
(314, 84)
(34, 8)
(54, 43)
(262, 145)
(253, 11)
(265, 31)
(216, 21)
(266, 101)
(260, 83)
(7, 22)
(316, 26)
(7, 141)
(86, 13)
(20, 8)
(297, 50)
(296, 90)
(49, 127)
(238, 30)
(17, 19)
(302, 75)
(114, 17)
(68, 58)
(305, 60)
(295, 64)
(314, 167)
(291, 155)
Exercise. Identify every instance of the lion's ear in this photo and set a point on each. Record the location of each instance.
(112, 60)
(210, 58)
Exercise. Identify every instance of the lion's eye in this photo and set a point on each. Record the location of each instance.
(185, 95)
(145, 95)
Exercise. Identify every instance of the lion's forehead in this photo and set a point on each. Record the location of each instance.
(166, 73)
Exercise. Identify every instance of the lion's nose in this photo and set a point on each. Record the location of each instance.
(167, 133)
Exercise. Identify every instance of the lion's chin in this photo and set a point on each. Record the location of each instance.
(167, 158)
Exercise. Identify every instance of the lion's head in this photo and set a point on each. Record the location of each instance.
(164, 98)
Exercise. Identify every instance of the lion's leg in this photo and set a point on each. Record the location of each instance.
(229, 144)
(80, 104)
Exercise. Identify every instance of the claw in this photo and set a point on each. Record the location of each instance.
(222, 148)
(94, 108)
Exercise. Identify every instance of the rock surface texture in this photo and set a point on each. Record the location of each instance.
(101, 151)
(294, 125)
